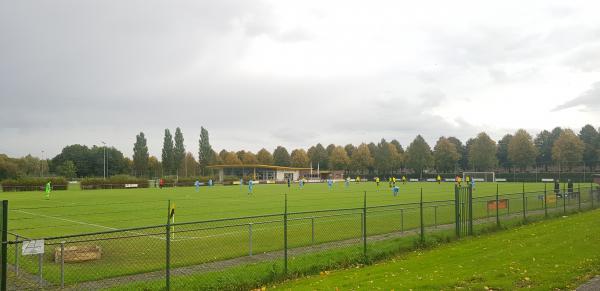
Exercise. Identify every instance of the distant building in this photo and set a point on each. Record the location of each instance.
(273, 173)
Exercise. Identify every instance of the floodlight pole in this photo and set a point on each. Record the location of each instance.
(104, 165)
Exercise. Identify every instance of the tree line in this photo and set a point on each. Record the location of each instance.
(518, 151)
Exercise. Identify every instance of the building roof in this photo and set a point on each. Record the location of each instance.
(259, 166)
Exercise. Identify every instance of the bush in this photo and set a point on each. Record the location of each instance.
(113, 182)
(33, 184)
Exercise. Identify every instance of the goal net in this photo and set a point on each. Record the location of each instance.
(480, 176)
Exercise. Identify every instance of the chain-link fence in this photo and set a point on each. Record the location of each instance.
(249, 252)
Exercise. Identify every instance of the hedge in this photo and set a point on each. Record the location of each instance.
(33, 184)
(113, 182)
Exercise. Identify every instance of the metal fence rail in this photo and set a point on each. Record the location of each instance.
(216, 253)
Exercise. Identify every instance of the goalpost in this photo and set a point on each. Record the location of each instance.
(480, 176)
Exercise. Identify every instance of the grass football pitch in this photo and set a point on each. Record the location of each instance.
(316, 221)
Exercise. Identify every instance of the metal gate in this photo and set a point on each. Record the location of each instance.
(463, 205)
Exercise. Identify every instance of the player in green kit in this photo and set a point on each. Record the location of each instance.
(48, 189)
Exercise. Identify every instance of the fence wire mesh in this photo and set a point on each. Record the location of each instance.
(225, 253)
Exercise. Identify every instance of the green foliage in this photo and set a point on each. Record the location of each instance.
(32, 183)
(67, 169)
(264, 157)
(361, 158)
(521, 150)
(568, 148)
(502, 153)
(205, 151)
(318, 156)
(445, 156)
(230, 158)
(8, 168)
(418, 155)
(299, 158)
(89, 162)
(140, 155)
(248, 158)
(281, 157)
(482, 153)
(339, 159)
(590, 137)
(178, 150)
(167, 154)
(113, 182)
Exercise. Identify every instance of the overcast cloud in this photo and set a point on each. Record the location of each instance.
(293, 73)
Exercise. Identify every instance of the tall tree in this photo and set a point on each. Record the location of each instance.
(418, 155)
(462, 152)
(318, 156)
(589, 136)
(349, 148)
(361, 158)
(568, 149)
(67, 170)
(248, 158)
(543, 142)
(140, 155)
(339, 159)
(178, 150)
(154, 167)
(8, 168)
(205, 151)
(167, 153)
(264, 157)
(231, 158)
(190, 166)
(521, 150)
(502, 153)
(299, 158)
(482, 153)
(281, 157)
(445, 156)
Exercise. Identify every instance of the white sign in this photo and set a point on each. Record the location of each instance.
(33, 247)
(500, 180)
(131, 185)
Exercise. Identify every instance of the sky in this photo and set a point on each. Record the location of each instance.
(292, 73)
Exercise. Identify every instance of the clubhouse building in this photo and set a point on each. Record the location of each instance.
(273, 173)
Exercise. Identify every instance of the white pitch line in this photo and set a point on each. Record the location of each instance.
(84, 223)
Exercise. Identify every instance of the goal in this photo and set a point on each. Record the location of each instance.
(480, 176)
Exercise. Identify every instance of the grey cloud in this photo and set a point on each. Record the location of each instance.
(589, 99)
(586, 58)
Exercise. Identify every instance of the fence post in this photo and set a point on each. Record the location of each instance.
(365, 224)
(545, 201)
(250, 238)
(168, 248)
(4, 243)
(285, 238)
(497, 207)
(564, 194)
(579, 197)
(312, 222)
(421, 214)
(592, 193)
(470, 194)
(40, 269)
(402, 219)
(435, 216)
(62, 264)
(456, 211)
(523, 198)
(17, 255)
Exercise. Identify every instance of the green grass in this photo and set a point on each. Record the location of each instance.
(550, 255)
(74, 212)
